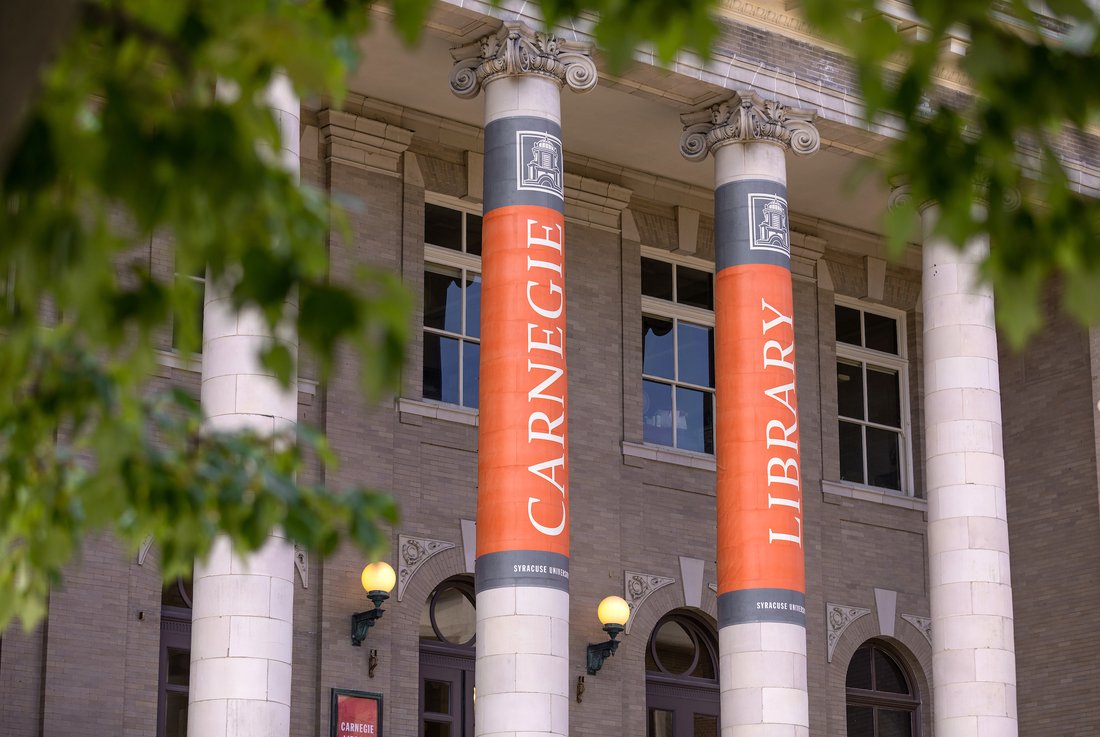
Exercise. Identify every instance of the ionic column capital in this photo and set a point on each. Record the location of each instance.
(744, 118)
(516, 50)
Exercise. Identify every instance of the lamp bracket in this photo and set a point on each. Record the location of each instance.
(361, 622)
(601, 651)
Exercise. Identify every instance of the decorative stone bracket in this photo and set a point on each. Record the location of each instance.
(924, 624)
(638, 587)
(414, 552)
(837, 619)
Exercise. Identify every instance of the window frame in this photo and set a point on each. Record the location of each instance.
(892, 362)
(876, 699)
(449, 662)
(683, 695)
(676, 312)
(446, 258)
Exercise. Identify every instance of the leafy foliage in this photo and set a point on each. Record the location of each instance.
(1013, 140)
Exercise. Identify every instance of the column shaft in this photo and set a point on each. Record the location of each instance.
(242, 628)
(973, 655)
(761, 569)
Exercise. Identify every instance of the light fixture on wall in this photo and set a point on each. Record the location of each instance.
(613, 613)
(378, 581)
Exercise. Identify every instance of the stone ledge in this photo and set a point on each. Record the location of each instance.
(437, 411)
(878, 496)
(662, 454)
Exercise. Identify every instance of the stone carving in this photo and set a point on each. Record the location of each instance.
(301, 564)
(516, 49)
(748, 117)
(143, 551)
(414, 552)
(638, 587)
(900, 196)
(837, 619)
(924, 624)
(713, 587)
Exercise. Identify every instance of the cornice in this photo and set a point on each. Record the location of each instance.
(363, 142)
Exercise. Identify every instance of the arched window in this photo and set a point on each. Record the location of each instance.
(681, 663)
(175, 658)
(883, 700)
(447, 627)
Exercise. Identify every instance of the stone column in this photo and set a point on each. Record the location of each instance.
(241, 627)
(761, 563)
(522, 570)
(973, 654)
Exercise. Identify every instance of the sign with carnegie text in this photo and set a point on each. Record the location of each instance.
(356, 714)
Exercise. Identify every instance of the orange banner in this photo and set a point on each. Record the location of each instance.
(523, 489)
(760, 530)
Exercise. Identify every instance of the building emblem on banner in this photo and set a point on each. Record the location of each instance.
(539, 157)
(769, 224)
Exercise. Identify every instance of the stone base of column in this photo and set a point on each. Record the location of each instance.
(522, 673)
(241, 642)
(762, 675)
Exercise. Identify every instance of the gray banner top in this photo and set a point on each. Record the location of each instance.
(761, 605)
(521, 568)
(524, 163)
(751, 224)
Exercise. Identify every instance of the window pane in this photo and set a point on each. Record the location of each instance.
(657, 279)
(179, 667)
(881, 332)
(888, 675)
(442, 227)
(849, 390)
(695, 349)
(437, 696)
(694, 420)
(443, 300)
(851, 452)
(175, 714)
(657, 412)
(859, 670)
(883, 459)
(895, 723)
(440, 368)
(860, 722)
(657, 348)
(437, 729)
(473, 234)
(471, 365)
(847, 325)
(675, 648)
(455, 616)
(693, 287)
(660, 723)
(883, 397)
(705, 725)
(704, 668)
(473, 305)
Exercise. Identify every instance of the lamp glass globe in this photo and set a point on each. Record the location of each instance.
(613, 610)
(379, 577)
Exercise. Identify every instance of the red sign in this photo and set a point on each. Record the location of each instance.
(356, 714)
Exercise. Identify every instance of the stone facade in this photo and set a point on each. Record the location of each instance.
(635, 507)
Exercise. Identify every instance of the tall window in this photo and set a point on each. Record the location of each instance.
(175, 658)
(882, 698)
(872, 396)
(452, 304)
(681, 663)
(677, 353)
(447, 627)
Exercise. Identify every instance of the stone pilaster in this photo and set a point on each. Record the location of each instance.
(761, 563)
(522, 578)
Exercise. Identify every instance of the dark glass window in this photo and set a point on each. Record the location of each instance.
(447, 660)
(869, 388)
(678, 356)
(452, 305)
(882, 698)
(175, 658)
(682, 678)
